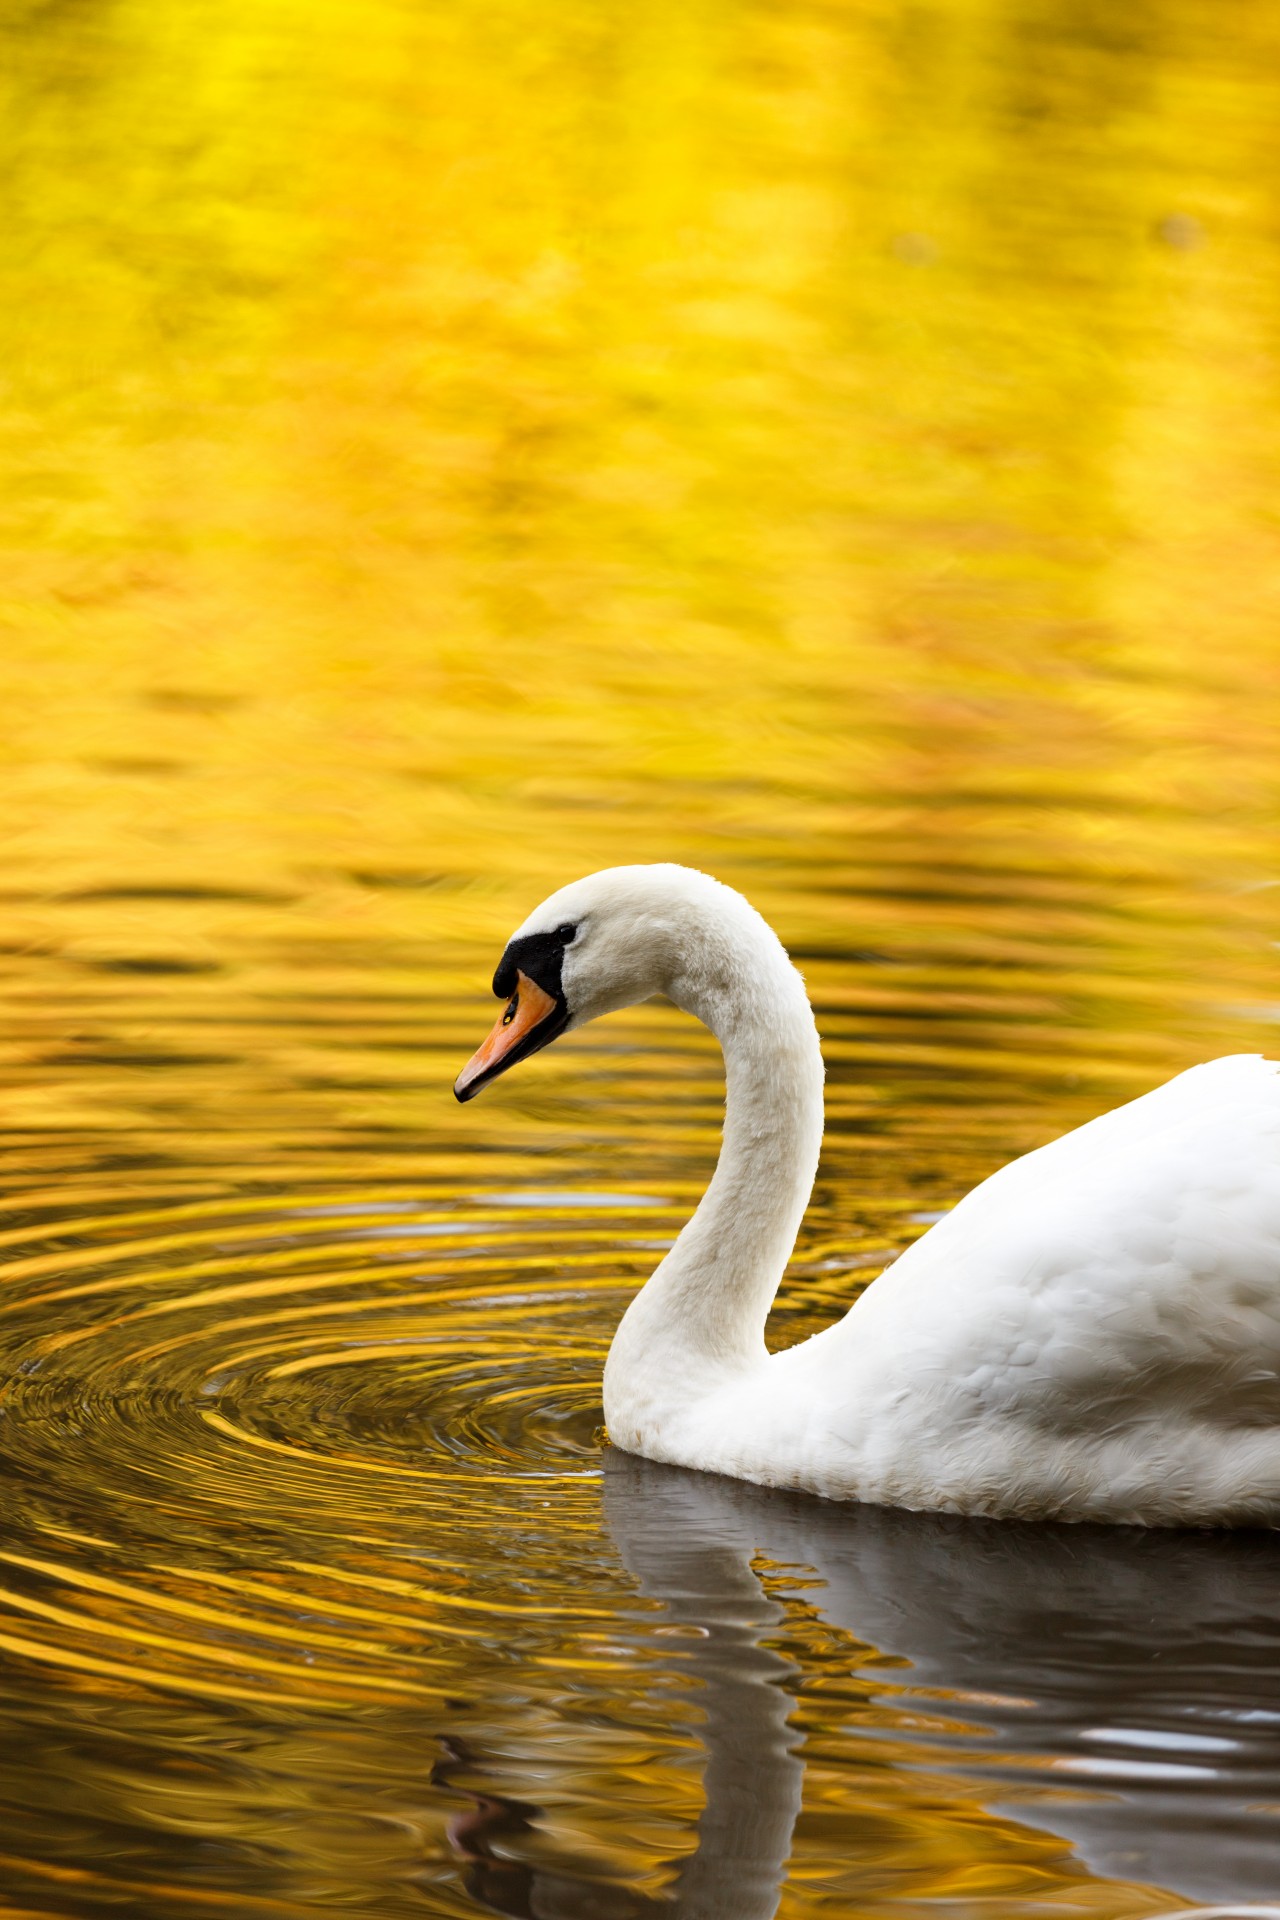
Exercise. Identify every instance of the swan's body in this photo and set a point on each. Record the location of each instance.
(1093, 1333)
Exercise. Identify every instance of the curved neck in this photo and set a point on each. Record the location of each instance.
(701, 1317)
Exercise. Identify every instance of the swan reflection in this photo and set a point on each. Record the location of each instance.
(752, 1775)
(1140, 1664)
(1134, 1671)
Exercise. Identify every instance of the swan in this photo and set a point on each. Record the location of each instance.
(1092, 1334)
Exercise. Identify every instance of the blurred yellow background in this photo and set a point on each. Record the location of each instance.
(423, 425)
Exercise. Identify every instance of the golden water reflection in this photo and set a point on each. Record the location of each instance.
(444, 450)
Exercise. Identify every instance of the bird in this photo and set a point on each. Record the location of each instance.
(1091, 1334)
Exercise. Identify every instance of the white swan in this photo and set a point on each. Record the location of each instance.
(1092, 1334)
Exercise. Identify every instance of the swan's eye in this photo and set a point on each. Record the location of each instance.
(510, 1013)
(565, 933)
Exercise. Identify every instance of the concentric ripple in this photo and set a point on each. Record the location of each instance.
(276, 1459)
(322, 1370)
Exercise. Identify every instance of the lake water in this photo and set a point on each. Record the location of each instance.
(447, 449)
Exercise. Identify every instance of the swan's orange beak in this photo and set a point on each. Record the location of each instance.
(515, 1035)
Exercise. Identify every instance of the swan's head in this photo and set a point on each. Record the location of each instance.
(597, 945)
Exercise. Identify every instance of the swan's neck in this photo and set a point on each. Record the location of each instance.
(700, 1320)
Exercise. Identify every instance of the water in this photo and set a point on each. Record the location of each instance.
(446, 450)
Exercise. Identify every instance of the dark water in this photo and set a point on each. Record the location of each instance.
(444, 451)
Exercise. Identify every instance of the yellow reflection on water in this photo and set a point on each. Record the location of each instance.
(443, 450)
